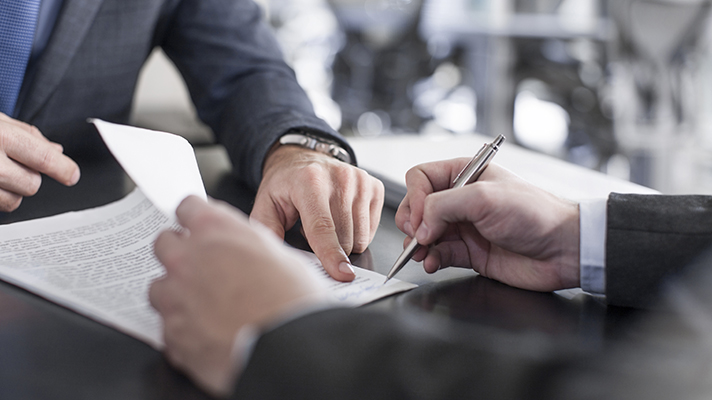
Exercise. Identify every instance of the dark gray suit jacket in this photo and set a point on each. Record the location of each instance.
(649, 240)
(362, 354)
(240, 86)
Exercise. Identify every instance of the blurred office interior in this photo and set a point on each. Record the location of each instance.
(620, 86)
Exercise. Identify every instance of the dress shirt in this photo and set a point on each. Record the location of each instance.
(46, 19)
(49, 10)
(592, 219)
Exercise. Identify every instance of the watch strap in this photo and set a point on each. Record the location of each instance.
(322, 145)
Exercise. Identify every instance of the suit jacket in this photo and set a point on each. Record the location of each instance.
(364, 354)
(232, 66)
(650, 239)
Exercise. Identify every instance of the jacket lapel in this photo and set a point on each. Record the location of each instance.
(72, 24)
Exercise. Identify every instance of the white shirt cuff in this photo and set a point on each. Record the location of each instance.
(593, 245)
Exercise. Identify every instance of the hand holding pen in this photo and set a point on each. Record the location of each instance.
(469, 174)
(502, 227)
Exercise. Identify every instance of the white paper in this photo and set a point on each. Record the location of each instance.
(97, 262)
(162, 164)
(393, 156)
(365, 288)
(100, 263)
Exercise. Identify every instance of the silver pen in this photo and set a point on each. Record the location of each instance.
(469, 174)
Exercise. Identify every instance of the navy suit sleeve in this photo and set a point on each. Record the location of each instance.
(238, 80)
(649, 240)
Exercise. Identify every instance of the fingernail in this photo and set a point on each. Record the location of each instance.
(346, 268)
(75, 177)
(408, 228)
(422, 233)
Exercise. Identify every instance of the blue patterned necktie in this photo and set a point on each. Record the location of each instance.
(18, 19)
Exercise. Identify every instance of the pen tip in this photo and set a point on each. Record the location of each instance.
(386, 281)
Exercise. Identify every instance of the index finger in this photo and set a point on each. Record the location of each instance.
(320, 231)
(421, 181)
(41, 155)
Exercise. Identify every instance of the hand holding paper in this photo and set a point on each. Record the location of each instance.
(222, 277)
(100, 262)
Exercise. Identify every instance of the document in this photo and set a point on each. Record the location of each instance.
(161, 164)
(100, 263)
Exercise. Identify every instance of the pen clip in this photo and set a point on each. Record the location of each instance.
(469, 163)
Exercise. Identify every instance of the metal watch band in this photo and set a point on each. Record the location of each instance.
(318, 144)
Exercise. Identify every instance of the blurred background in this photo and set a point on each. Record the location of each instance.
(619, 86)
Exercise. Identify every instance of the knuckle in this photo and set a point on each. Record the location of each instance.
(362, 178)
(15, 204)
(5, 134)
(313, 173)
(410, 175)
(322, 224)
(345, 172)
(10, 202)
(429, 204)
(154, 295)
(206, 218)
(360, 244)
(46, 160)
(171, 259)
(340, 202)
(380, 188)
(33, 185)
(485, 194)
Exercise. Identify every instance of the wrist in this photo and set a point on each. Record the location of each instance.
(316, 143)
(296, 141)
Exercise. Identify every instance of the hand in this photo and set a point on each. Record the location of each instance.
(500, 226)
(24, 155)
(339, 204)
(221, 274)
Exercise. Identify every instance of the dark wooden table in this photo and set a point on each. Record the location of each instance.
(49, 352)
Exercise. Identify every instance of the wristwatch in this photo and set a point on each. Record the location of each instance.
(308, 141)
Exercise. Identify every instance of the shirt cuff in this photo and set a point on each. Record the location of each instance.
(593, 245)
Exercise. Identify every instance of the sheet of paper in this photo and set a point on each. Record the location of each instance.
(100, 263)
(367, 287)
(162, 164)
(392, 156)
(97, 262)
